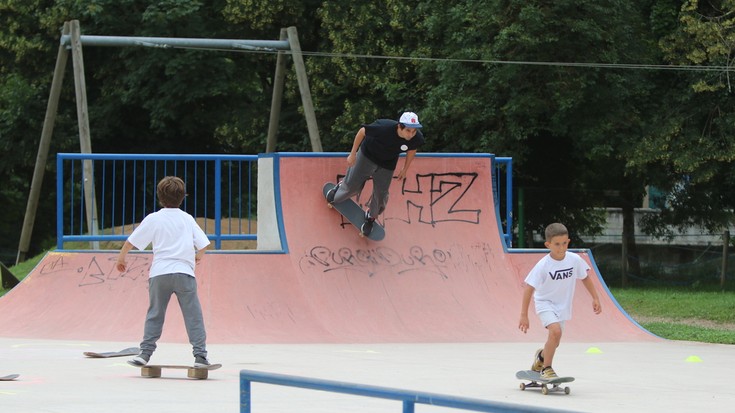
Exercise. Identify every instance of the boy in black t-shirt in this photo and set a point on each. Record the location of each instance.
(374, 154)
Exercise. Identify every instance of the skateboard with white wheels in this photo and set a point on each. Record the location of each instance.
(546, 385)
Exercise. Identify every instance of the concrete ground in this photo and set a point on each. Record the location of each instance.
(661, 376)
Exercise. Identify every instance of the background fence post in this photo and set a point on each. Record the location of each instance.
(725, 246)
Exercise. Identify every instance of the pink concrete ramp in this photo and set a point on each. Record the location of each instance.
(441, 274)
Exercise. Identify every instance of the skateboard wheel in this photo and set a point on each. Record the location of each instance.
(150, 371)
(544, 389)
(567, 390)
(523, 386)
(193, 373)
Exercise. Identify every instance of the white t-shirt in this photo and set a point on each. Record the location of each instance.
(554, 282)
(175, 236)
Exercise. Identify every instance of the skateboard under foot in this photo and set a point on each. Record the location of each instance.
(354, 214)
(546, 385)
(154, 370)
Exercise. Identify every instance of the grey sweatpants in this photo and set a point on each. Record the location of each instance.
(355, 179)
(160, 289)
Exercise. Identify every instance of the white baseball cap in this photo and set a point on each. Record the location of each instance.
(410, 120)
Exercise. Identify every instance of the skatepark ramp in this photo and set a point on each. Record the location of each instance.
(442, 273)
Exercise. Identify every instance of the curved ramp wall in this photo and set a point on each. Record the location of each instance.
(441, 274)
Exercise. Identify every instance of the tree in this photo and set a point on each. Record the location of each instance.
(26, 64)
(565, 126)
(140, 99)
(693, 144)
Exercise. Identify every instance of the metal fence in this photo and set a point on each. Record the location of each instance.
(102, 197)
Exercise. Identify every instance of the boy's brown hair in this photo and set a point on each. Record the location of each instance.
(554, 230)
(171, 191)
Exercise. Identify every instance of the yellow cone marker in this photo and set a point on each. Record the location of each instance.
(594, 350)
(693, 359)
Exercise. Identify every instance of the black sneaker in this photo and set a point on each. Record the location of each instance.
(367, 226)
(201, 361)
(140, 360)
(331, 193)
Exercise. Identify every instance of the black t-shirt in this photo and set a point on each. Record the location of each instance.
(382, 144)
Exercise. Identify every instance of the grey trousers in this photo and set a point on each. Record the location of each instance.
(355, 179)
(160, 289)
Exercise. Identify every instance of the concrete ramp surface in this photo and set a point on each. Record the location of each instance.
(442, 273)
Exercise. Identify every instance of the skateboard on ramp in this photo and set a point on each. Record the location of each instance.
(9, 377)
(131, 351)
(356, 215)
(547, 386)
(154, 370)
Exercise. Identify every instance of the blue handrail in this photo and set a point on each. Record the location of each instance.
(409, 397)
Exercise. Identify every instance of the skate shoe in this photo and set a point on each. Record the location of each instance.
(548, 373)
(140, 360)
(538, 362)
(201, 361)
(367, 226)
(331, 193)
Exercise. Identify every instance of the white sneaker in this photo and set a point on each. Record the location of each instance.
(140, 360)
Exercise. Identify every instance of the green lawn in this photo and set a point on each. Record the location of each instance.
(682, 314)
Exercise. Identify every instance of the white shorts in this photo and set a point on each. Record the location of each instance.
(550, 317)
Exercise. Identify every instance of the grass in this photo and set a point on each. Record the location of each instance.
(682, 313)
(21, 270)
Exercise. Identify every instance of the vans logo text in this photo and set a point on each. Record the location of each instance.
(562, 274)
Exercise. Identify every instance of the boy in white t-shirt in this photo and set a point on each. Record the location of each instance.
(551, 283)
(178, 245)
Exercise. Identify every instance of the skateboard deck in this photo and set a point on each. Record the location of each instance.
(354, 214)
(154, 370)
(547, 386)
(9, 377)
(132, 351)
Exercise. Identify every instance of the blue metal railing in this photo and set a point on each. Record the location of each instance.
(504, 164)
(408, 397)
(221, 188)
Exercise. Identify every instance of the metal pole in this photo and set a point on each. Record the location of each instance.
(245, 391)
(177, 42)
(725, 246)
(521, 218)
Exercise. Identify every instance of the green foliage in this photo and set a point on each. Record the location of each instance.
(484, 75)
(691, 143)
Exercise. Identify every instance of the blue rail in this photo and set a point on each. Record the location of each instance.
(506, 228)
(408, 397)
(220, 192)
